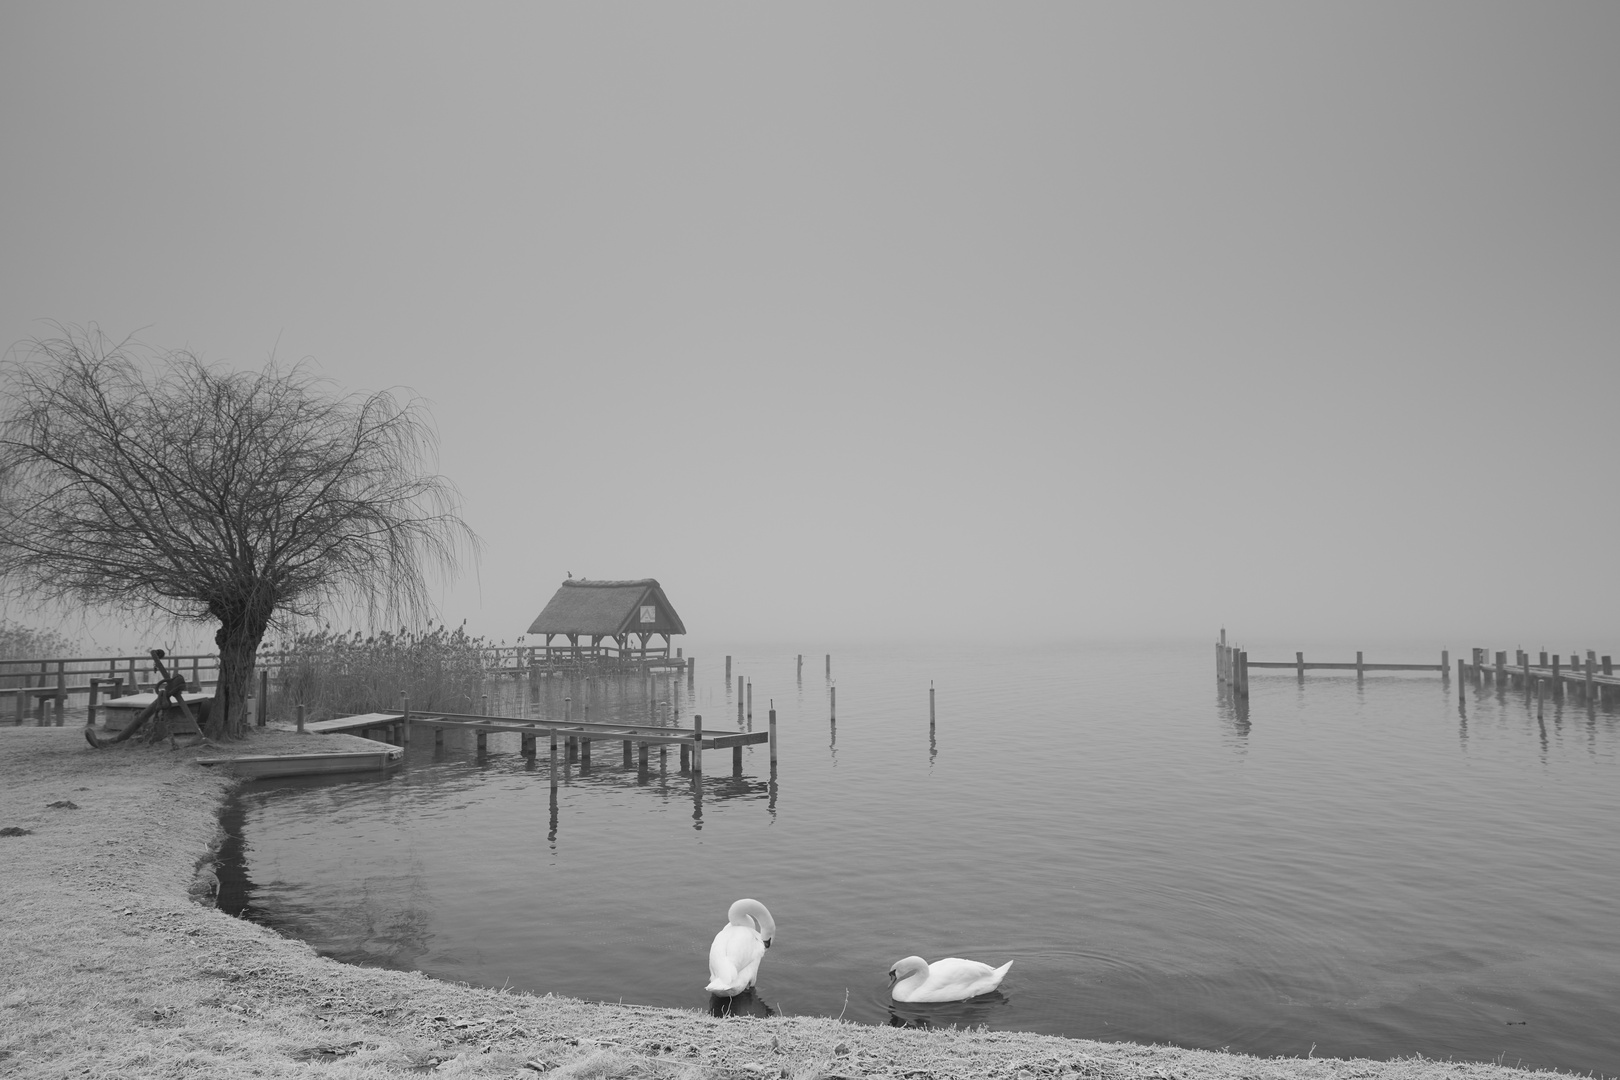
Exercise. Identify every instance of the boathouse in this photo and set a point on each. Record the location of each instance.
(609, 611)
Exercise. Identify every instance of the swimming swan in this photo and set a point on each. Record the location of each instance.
(950, 979)
(739, 947)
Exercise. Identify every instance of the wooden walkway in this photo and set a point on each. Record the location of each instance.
(570, 740)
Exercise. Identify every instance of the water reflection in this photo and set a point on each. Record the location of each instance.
(946, 1014)
(747, 1003)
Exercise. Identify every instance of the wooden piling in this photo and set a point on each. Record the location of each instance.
(750, 699)
(584, 754)
(1299, 664)
(1445, 664)
(554, 761)
(697, 746)
(728, 671)
(642, 760)
(829, 665)
(1462, 681)
(930, 704)
(1557, 685)
(801, 667)
(832, 702)
(627, 753)
(1360, 666)
(483, 741)
(1540, 684)
(404, 718)
(773, 735)
(300, 717)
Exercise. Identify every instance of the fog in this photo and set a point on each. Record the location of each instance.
(906, 320)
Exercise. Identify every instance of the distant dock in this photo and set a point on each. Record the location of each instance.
(1592, 676)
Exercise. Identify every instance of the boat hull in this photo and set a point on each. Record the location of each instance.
(347, 761)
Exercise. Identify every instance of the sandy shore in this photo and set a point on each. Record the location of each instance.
(113, 963)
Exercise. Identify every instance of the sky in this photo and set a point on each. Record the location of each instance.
(905, 320)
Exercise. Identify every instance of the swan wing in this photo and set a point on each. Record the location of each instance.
(734, 960)
(956, 979)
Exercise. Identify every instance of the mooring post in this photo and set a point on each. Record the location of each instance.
(1462, 682)
(1501, 669)
(736, 760)
(697, 746)
(483, 741)
(1591, 665)
(686, 758)
(1445, 665)
(930, 704)
(404, 718)
(1608, 665)
(438, 737)
(1557, 686)
(691, 669)
(832, 701)
(642, 757)
(627, 753)
(300, 717)
(1360, 668)
(750, 699)
(773, 734)
(1243, 659)
(1299, 665)
(829, 665)
(728, 670)
(801, 667)
(553, 761)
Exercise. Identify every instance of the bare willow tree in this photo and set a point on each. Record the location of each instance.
(136, 481)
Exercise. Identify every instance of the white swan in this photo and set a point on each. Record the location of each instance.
(950, 979)
(739, 947)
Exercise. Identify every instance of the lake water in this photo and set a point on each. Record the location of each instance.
(1355, 869)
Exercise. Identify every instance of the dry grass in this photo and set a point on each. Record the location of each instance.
(111, 967)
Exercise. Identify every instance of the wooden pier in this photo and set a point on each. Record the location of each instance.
(573, 738)
(1592, 677)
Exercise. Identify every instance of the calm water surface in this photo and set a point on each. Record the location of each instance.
(1366, 869)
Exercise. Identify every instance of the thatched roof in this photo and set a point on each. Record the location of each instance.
(608, 609)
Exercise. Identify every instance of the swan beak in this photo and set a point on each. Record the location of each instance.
(894, 977)
(767, 943)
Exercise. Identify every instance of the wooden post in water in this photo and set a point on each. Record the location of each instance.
(801, 667)
(1591, 664)
(642, 756)
(1299, 665)
(1445, 665)
(627, 753)
(1608, 665)
(829, 666)
(1557, 685)
(686, 758)
(832, 701)
(773, 735)
(728, 671)
(750, 699)
(697, 747)
(483, 741)
(553, 761)
(930, 704)
(1462, 682)
(300, 717)
(405, 718)
(1360, 670)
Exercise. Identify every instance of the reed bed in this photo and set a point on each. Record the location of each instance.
(336, 674)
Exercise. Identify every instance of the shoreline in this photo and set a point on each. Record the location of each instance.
(114, 962)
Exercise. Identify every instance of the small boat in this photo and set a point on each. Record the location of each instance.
(338, 761)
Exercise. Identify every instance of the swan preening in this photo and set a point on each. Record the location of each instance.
(739, 947)
(950, 979)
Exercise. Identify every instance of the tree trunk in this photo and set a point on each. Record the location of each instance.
(238, 642)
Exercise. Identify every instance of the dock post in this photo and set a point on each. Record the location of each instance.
(1360, 668)
(736, 760)
(526, 745)
(801, 667)
(1557, 685)
(930, 704)
(264, 692)
(554, 761)
(404, 718)
(773, 736)
(642, 758)
(1243, 661)
(1501, 669)
(627, 753)
(691, 671)
(1445, 665)
(584, 755)
(697, 746)
(1591, 663)
(1462, 682)
(750, 699)
(300, 717)
(1220, 673)
(1608, 665)
(728, 670)
(832, 702)
(483, 742)
(1299, 665)
(829, 666)
(686, 758)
